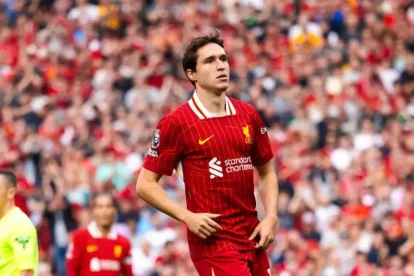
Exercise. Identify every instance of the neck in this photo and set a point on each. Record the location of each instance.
(7, 207)
(104, 229)
(214, 103)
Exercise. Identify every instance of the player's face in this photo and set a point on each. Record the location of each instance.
(212, 69)
(104, 211)
(6, 193)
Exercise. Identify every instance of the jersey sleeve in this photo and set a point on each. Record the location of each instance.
(23, 241)
(164, 153)
(73, 255)
(261, 150)
(126, 261)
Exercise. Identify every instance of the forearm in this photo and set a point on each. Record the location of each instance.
(270, 192)
(154, 195)
(26, 272)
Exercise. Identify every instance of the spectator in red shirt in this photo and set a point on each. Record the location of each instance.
(169, 256)
(363, 268)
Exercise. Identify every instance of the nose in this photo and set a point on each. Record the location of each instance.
(220, 65)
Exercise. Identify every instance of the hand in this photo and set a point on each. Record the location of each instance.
(266, 228)
(202, 224)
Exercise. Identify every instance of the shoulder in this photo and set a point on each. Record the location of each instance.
(179, 117)
(80, 234)
(21, 222)
(123, 240)
(242, 107)
(20, 229)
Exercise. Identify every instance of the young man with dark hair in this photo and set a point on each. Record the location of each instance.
(99, 249)
(19, 253)
(216, 141)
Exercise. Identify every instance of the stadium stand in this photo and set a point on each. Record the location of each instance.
(83, 84)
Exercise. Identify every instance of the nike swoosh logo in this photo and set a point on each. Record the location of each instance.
(91, 248)
(202, 142)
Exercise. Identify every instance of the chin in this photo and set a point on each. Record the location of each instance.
(107, 224)
(221, 88)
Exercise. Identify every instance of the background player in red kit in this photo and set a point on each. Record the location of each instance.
(98, 249)
(217, 141)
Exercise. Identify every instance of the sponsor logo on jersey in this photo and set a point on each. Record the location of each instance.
(238, 164)
(246, 132)
(214, 168)
(230, 165)
(23, 241)
(117, 251)
(97, 265)
(202, 142)
(153, 153)
(94, 265)
(156, 138)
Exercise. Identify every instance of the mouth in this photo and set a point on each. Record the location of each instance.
(222, 77)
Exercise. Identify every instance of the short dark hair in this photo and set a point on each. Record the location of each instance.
(98, 195)
(10, 178)
(190, 54)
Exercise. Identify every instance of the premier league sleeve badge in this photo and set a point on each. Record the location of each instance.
(156, 138)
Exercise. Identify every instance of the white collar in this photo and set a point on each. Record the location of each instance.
(96, 234)
(199, 109)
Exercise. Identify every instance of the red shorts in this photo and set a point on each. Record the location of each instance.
(235, 263)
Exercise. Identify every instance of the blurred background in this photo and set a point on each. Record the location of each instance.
(83, 84)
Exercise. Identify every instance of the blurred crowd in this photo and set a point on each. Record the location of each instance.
(83, 84)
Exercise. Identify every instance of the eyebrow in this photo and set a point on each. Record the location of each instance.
(210, 57)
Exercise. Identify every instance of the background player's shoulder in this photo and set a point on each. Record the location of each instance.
(242, 107)
(122, 239)
(80, 233)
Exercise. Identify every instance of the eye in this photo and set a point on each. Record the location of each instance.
(223, 58)
(210, 60)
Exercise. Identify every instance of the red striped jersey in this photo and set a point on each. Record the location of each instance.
(217, 156)
(90, 253)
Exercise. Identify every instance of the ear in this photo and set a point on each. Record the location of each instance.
(11, 192)
(191, 75)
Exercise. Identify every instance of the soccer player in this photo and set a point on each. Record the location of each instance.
(217, 141)
(19, 255)
(99, 249)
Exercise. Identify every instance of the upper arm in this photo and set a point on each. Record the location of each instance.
(166, 148)
(261, 148)
(147, 176)
(265, 169)
(126, 261)
(25, 249)
(73, 254)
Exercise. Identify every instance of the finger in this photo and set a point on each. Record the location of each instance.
(205, 232)
(201, 235)
(255, 232)
(212, 215)
(261, 243)
(269, 241)
(208, 228)
(214, 224)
